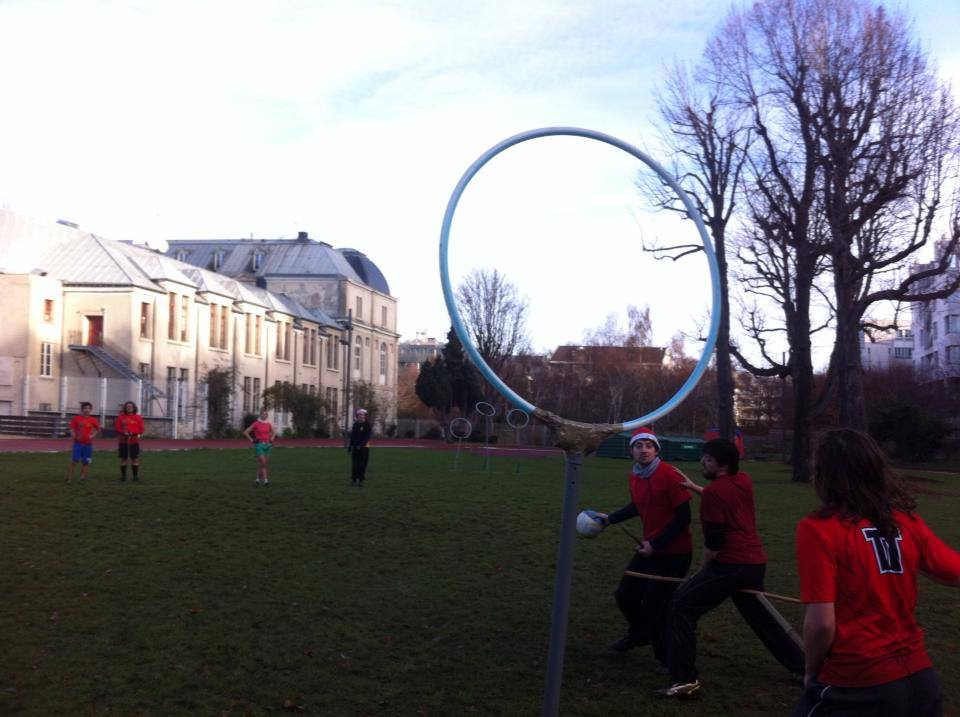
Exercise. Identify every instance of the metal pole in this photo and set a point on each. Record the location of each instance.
(103, 400)
(63, 396)
(561, 588)
(176, 407)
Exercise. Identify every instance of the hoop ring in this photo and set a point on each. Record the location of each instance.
(459, 422)
(692, 213)
(486, 409)
(512, 416)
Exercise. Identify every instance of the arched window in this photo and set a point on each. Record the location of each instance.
(357, 354)
(383, 363)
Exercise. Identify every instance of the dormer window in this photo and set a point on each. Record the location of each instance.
(181, 255)
(218, 257)
(257, 260)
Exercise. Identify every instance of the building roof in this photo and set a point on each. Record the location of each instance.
(279, 257)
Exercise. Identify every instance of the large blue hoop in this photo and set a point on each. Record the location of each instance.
(692, 213)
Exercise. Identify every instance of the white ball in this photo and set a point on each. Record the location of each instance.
(589, 524)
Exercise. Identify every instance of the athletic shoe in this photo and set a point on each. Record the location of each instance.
(627, 643)
(266, 483)
(679, 689)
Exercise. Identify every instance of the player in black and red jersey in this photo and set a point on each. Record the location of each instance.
(733, 560)
(659, 500)
(858, 558)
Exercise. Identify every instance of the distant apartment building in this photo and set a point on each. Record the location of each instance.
(936, 329)
(422, 348)
(88, 318)
(885, 350)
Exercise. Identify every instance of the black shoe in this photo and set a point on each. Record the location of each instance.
(628, 643)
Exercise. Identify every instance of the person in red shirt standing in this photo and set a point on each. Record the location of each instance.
(663, 505)
(261, 434)
(733, 560)
(83, 429)
(129, 428)
(858, 558)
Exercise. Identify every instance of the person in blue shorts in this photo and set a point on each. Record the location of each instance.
(83, 428)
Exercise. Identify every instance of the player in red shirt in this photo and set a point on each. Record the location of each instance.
(858, 558)
(129, 428)
(733, 560)
(261, 434)
(659, 500)
(83, 429)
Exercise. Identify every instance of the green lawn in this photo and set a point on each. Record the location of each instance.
(428, 592)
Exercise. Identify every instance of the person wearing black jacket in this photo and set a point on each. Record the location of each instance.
(658, 498)
(358, 448)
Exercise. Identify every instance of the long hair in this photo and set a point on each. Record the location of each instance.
(853, 480)
(130, 403)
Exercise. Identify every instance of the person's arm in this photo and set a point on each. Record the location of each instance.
(819, 629)
(95, 431)
(273, 433)
(689, 484)
(938, 561)
(625, 513)
(246, 433)
(707, 557)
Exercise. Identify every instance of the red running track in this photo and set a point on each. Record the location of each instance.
(13, 444)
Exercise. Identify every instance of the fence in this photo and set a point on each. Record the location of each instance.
(534, 434)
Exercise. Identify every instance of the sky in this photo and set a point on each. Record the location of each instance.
(353, 121)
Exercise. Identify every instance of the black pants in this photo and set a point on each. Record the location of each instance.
(359, 457)
(645, 603)
(705, 591)
(916, 695)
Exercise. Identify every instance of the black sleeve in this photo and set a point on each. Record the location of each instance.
(625, 513)
(713, 535)
(680, 520)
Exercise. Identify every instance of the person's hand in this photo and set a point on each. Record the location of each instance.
(604, 518)
(644, 549)
(689, 484)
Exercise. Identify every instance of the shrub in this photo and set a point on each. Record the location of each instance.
(914, 434)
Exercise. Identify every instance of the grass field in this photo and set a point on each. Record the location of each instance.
(427, 592)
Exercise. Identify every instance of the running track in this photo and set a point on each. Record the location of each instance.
(13, 444)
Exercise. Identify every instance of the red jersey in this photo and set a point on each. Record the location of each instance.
(130, 423)
(728, 500)
(261, 431)
(83, 428)
(656, 499)
(872, 583)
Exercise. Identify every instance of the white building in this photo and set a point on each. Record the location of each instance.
(885, 350)
(936, 325)
(90, 319)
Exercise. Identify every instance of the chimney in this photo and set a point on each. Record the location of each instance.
(303, 236)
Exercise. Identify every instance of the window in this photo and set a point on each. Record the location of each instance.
(172, 318)
(357, 354)
(306, 345)
(247, 393)
(214, 324)
(181, 255)
(257, 327)
(333, 353)
(902, 352)
(281, 335)
(248, 334)
(218, 257)
(171, 388)
(332, 400)
(953, 354)
(360, 308)
(48, 310)
(383, 316)
(952, 324)
(144, 320)
(184, 318)
(224, 325)
(287, 339)
(257, 260)
(144, 372)
(383, 363)
(256, 398)
(46, 359)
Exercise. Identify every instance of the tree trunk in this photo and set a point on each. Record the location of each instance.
(847, 346)
(725, 386)
(801, 364)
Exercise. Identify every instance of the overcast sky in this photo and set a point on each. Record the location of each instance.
(353, 121)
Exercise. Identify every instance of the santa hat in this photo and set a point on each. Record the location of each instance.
(644, 434)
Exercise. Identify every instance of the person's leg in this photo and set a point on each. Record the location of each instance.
(364, 459)
(629, 596)
(135, 460)
(700, 594)
(764, 625)
(657, 600)
(355, 466)
(122, 453)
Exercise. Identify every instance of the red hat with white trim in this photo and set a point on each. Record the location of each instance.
(644, 434)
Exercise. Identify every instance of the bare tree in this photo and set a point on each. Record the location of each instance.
(706, 136)
(638, 331)
(495, 315)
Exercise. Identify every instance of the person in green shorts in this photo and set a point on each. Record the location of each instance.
(261, 434)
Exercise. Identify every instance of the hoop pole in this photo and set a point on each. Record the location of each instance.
(561, 588)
